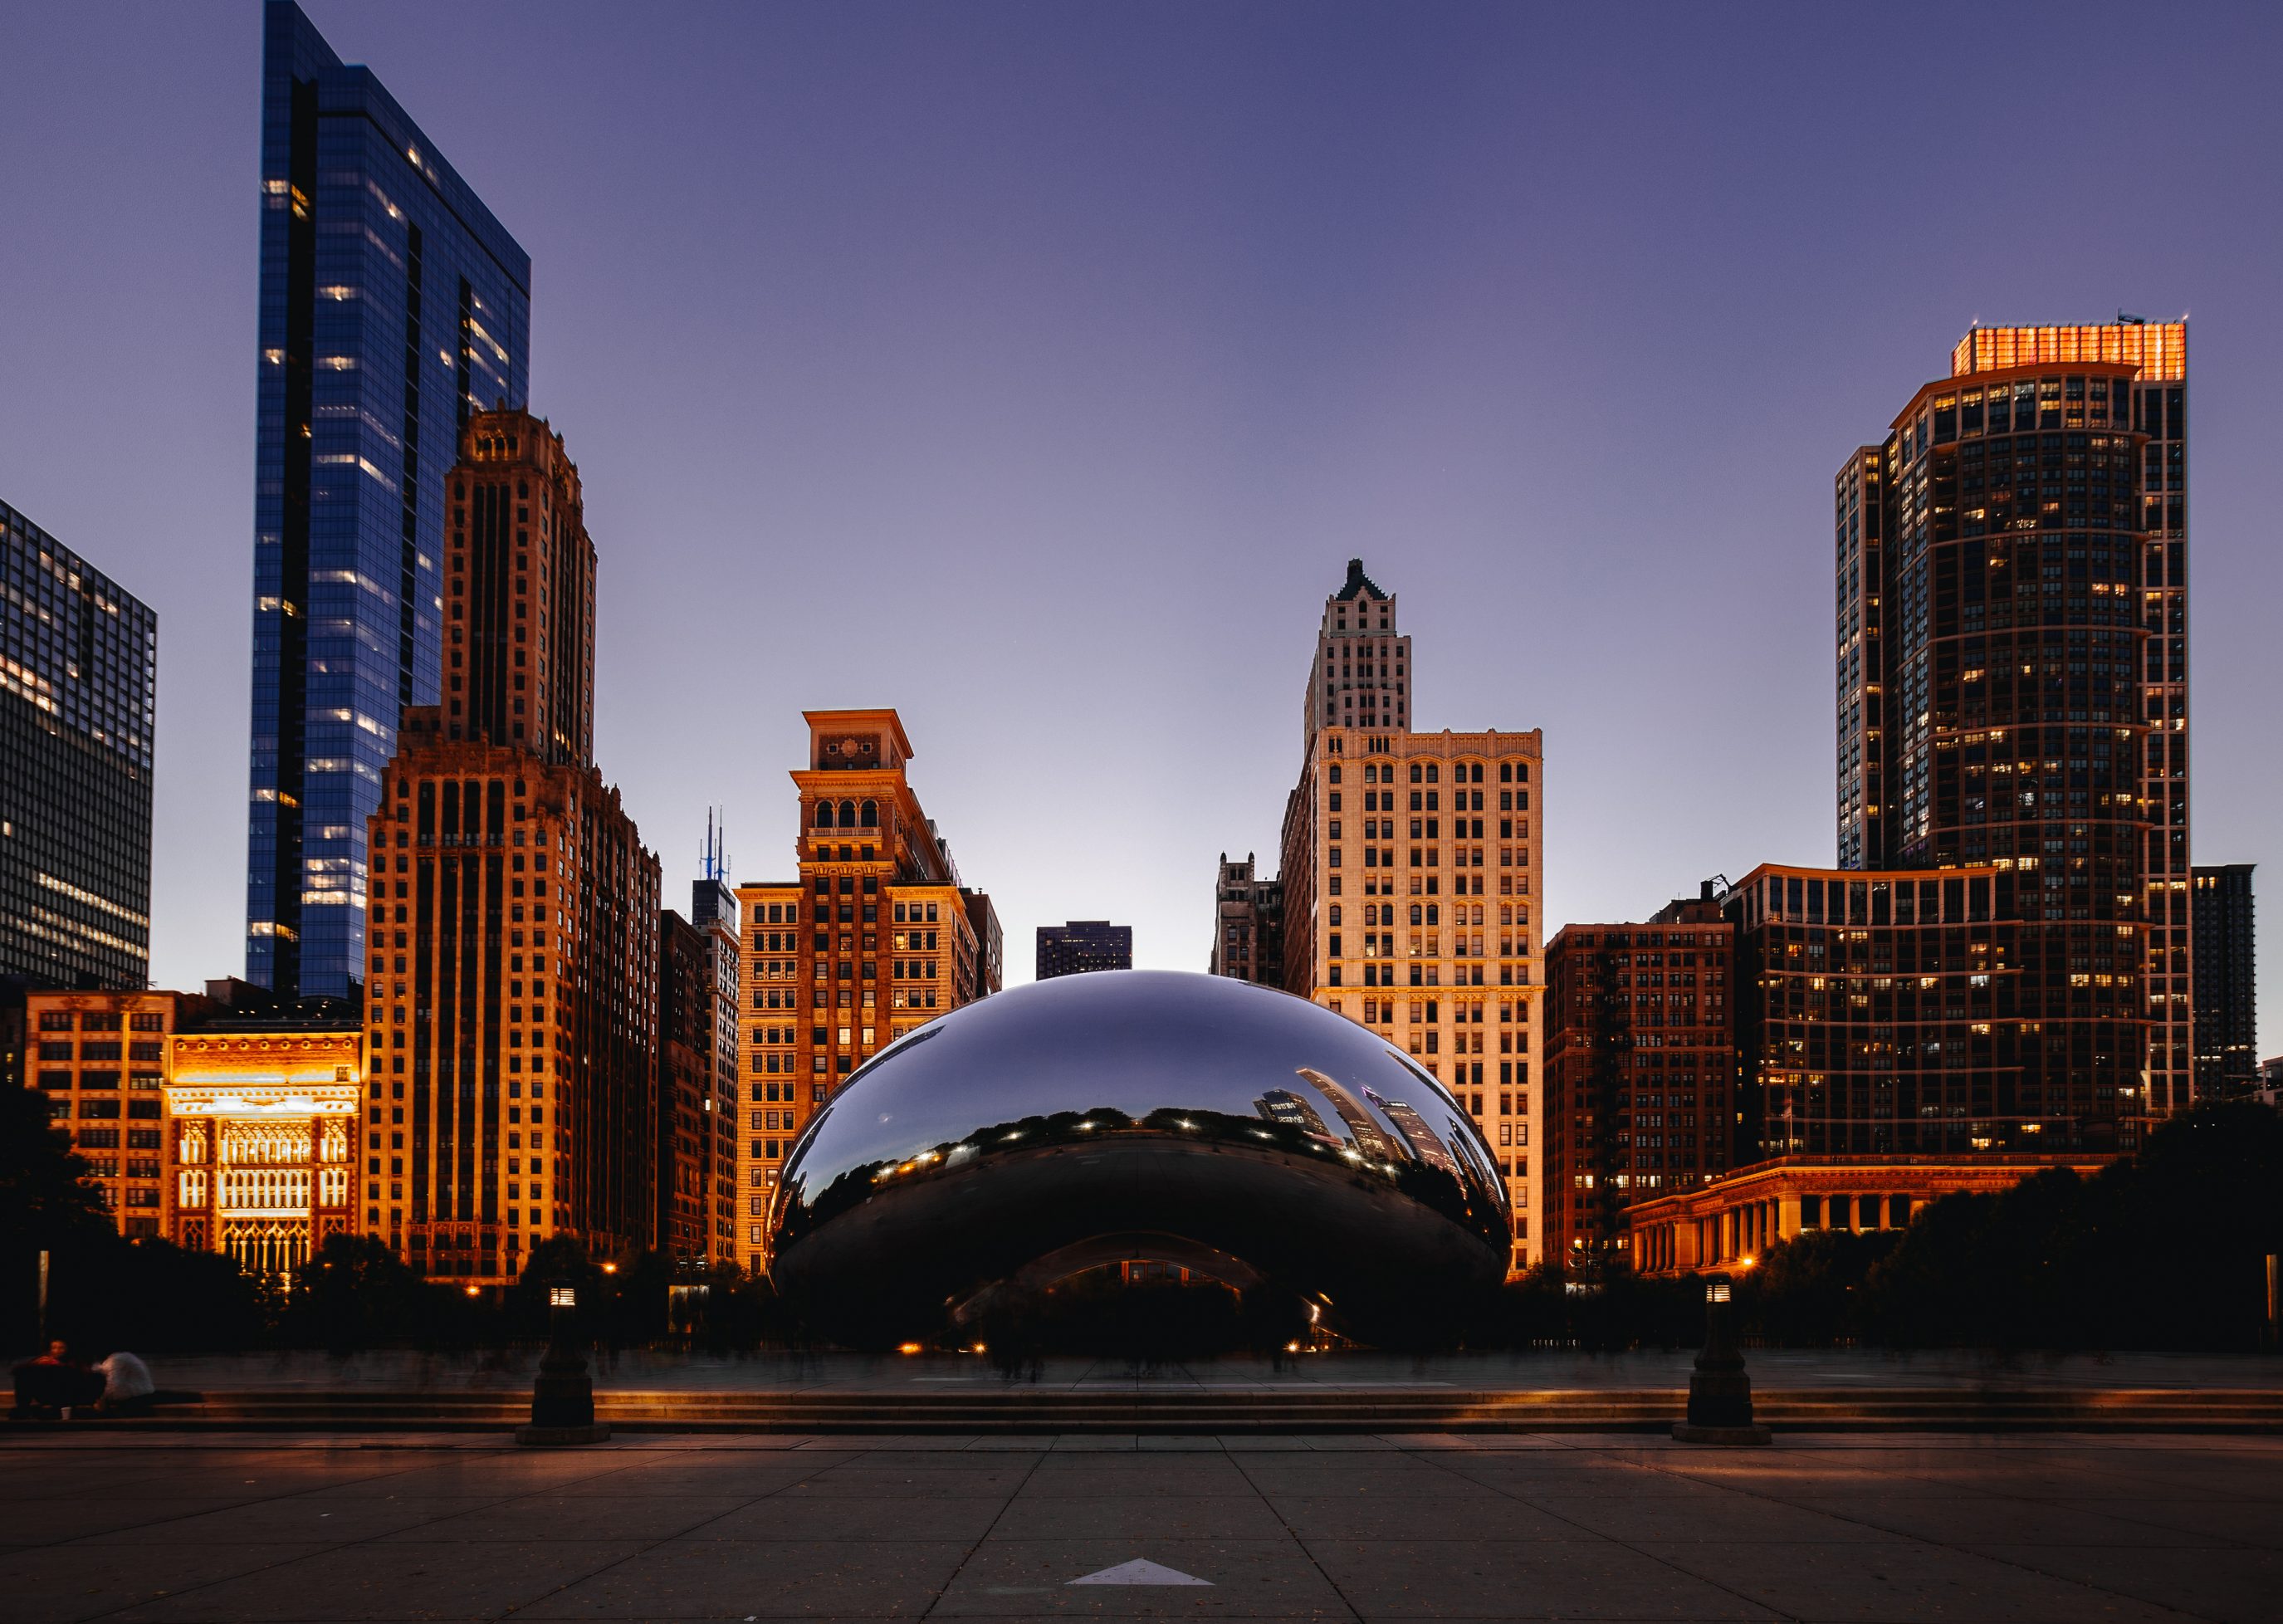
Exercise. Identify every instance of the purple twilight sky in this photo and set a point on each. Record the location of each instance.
(1035, 370)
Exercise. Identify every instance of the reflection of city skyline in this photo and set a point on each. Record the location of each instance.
(1283, 1106)
(1366, 1133)
(1415, 1132)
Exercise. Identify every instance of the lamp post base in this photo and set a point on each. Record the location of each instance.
(1684, 1432)
(594, 1432)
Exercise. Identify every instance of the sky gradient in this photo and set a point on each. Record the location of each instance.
(1035, 370)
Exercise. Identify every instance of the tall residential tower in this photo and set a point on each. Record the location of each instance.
(2011, 699)
(391, 305)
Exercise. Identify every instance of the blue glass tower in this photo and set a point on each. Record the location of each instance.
(392, 302)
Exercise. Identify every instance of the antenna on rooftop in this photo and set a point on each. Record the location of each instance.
(715, 858)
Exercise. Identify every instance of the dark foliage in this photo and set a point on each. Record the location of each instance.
(104, 1291)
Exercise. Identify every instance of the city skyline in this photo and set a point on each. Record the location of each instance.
(1362, 428)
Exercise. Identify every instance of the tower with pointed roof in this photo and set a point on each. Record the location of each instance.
(1361, 677)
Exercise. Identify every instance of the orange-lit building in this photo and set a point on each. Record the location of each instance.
(1730, 1222)
(223, 1122)
(876, 936)
(100, 1059)
(511, 998)
(1410, 881)
(262, 1137)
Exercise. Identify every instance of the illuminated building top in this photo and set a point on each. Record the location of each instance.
(2160, 349)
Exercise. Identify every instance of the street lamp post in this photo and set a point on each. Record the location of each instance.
(1719, 1390)
(563, 1395)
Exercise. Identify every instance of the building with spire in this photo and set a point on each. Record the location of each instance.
(512, 1000)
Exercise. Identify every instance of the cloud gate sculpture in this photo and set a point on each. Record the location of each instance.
(1243, 1133)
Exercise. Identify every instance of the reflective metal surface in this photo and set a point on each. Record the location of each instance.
(1240, 1131)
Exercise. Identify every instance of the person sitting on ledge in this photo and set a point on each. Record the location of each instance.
(127, 1386)
(49, 1387)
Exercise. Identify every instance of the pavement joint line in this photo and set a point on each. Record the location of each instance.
(1925, 1543)
(190, 1590)
(1625, 1544)
(644, 1550)
(1285, 1522)
(998, 1517)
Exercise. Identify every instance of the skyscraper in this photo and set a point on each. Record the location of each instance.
(714, 910)
(79, 661)
(875, 938)
(512, 1000)
(391, 305)
(1083, 945)
(2008, 602)
(1361, 675)
(1447, 964)
(2159, 416)
(2227, 1025)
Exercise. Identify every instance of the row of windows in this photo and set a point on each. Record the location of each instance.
(1430, 772)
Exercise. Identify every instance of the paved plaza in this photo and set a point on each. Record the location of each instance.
(2028, 1530)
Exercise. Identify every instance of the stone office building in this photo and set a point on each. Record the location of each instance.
(1410, 880)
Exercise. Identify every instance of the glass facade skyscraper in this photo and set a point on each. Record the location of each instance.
(79, 662)
(392, 303)
(2012, 677)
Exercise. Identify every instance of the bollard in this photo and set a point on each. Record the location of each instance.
(563, 1395)
(1719, 1391)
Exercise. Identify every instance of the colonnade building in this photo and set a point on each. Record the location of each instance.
(876, 936)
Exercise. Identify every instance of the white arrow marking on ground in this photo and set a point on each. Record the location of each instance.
(1143, 1571)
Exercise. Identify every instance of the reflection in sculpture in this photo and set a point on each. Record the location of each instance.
(1241, 1133)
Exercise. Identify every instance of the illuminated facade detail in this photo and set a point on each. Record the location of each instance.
(1732, 1223)
(1410, 875)
(259, 1126)
(2012, 677)
(79, 661)
(1361, 677)
(101, 1061)
(392, 304)
(1641, 1070)
(875, 937)
(510, 995)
